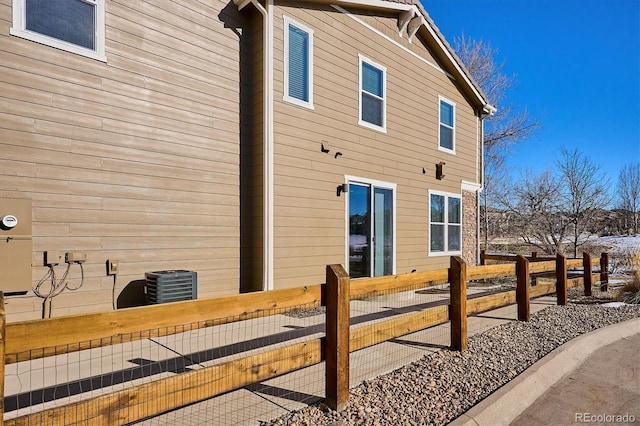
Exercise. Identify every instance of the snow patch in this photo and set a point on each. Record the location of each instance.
(622, 243)
(614, 304)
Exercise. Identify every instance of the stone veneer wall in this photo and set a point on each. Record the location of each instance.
(470, 227)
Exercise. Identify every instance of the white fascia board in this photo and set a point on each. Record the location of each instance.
(486, 106)
(470, 186)
(389, 5)
(242, 3)
(377, 4)
(457, 66)
(394, 42)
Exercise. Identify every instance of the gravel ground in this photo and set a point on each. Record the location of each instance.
(442, 386)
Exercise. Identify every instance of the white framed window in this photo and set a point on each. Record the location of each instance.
(298, 63)
(445, 223)
(76, 26)
(373, 96)
(447, 131)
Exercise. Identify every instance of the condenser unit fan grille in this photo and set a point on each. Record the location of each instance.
(171, 286)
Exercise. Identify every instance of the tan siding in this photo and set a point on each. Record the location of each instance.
(156, 157)
(135, 159)
(397, 156)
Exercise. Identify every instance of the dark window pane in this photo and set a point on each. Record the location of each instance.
(371, 109)
(437, 208)
(72, 21)
(437, 237)
(446, 137)
(298, 64)
(454, 238)
(446, 113)
(372, 79)
(454, 210)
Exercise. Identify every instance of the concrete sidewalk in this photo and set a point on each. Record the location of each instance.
(594, 378)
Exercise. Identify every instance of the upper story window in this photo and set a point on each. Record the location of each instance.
(76, 26)
(447, 133)
(298, 63)
(445, 223)
(372, 94)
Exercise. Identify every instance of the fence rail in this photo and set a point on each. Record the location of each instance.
(32, 340)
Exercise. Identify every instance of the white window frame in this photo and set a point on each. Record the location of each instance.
(288, 22)
(446, 196)
(453, 129)
(18, 29)
(362, 59)
(348, 179)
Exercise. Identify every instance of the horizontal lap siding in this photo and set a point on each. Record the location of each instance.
(135, 159)
(310, 218)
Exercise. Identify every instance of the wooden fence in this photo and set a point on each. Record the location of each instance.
(603, 263)
(43, 338)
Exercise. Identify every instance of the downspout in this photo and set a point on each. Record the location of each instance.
(486, 111)
(268, 144)
(480, 136)
(267, 253)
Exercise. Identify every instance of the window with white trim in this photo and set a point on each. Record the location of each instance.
(298, 63)
(372, 94)
(75, 26)
(447, 132)
(445, 223)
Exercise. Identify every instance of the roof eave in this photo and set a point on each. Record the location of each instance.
(406, 12)
(460, 72)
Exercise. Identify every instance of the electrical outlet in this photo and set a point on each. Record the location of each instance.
(112, 267)
(51, 258)
(75, 257)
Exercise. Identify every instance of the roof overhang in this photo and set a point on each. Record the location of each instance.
(413, 19)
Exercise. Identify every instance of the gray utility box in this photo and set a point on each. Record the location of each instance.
(171, 286)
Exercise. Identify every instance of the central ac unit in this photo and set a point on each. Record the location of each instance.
(171, 286)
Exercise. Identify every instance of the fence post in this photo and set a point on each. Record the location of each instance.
(482, 253)
(604, 272)
(337, 340)
(522, 290)
(3, 322)
(458, 306)
(561, 279)
(586, 266)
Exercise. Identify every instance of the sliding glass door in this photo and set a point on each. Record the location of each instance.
(371, 230)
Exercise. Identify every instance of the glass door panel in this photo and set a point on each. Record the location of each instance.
(359, 231)
(371, 236)
(383, 231)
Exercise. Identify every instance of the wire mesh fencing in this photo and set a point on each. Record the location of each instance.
(261, 362)
(272, 344)
(397, 328)
(233, 366)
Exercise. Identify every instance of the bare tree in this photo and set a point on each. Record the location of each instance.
(552, 209)
(628, 191)
(533, 205)
(495, 181)
(507, 126)
(583, 193)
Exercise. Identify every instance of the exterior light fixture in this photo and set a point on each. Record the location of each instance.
(440, 171)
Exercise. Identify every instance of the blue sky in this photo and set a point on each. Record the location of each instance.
(576, 65)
